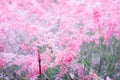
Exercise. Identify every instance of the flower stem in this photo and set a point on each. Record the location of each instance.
(39, 61)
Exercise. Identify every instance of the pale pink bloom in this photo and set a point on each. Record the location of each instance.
(81, 72)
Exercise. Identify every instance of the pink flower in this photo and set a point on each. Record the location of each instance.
(67, 57)
(81, 72)
(1, 63)
(25, 47)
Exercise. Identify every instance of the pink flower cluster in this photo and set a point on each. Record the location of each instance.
(60, 25)
(1, 63)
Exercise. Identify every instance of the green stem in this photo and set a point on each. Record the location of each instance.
(101, 57)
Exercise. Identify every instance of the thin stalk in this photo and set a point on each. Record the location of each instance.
(101, 52)
(39, 61)
(101, 57)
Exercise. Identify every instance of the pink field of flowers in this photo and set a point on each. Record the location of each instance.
(59, 39)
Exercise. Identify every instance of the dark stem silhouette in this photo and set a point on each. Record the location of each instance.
(39, 61)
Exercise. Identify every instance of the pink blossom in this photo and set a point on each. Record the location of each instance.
(1, 63)
(81, 72)
(60, 25)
